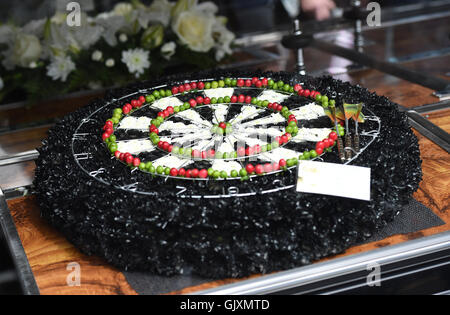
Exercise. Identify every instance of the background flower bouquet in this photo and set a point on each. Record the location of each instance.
(48, 57)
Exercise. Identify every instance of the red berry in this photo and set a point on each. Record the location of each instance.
(257, 148)
(319, 151)
(211, 153)
(195, 173)
(234, 99)
(170, 110)
(196, 154)
(284, 139)
(259, 169)
(330, 142)
(126, 110)
(207, 101)
(250, 168)
(270, 105)
(241, 98)
(160, 144)
(333, 136)
(156, 131)
(194, 85)
(248, 83)
(105, 136)
(161, 114)
(258, 84)
(187, 87)
(117, 154)
(129, 159)
(109, 123)
(297, 87)
(292, 117)
(166, 113)
(248, 99)
(282, 163)
(182, 172)
(181, 88)
(193, 103)
(240, 83)
(204, 154)
(268, 168)
(173, 172)
(142, 99)
(136, 162)
(306, 93)
(169, 149)
(201, 85)
(241, 151)
(275, 166)
(175, 90)
(223, 125)
(200, 100)
(278, 139)
(320, 145)
(203, 173)
(249, 151)
(122, 156)
(301, 92)
(134, 103)
(326, 143)
(188, 173)
(254, 80)
(279, 108)
(166, 146)
(265, 82)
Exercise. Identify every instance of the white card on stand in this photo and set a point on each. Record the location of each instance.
(334, 179)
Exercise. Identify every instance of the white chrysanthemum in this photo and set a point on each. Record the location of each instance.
(110, 63)
(137, 60)
(60, 68)
(168, 50)
(2, 84)
(97, 55)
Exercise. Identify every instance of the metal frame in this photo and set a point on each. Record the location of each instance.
(331, 274)
(24, 273)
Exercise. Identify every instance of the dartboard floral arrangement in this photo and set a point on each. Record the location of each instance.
(220, 130)
(196, 173)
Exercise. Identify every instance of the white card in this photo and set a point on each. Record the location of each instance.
(334, 179)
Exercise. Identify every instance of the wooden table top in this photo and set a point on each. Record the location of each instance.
(49, 253)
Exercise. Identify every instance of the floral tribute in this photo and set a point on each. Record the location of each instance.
(48, 57)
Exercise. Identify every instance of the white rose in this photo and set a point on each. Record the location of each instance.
(168, 50)
(97, 55)
(2, 84)
(194, 29)
(26, 49)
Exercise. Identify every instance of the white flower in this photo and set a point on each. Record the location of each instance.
(60, 68)
(23, 49)
(123, 9)
(123, 38)
(110, 63)
(33, 65)
(97, 55)
(137, 60)
(168, 50)
(224, 39)
(194, 28)
(2, 84)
